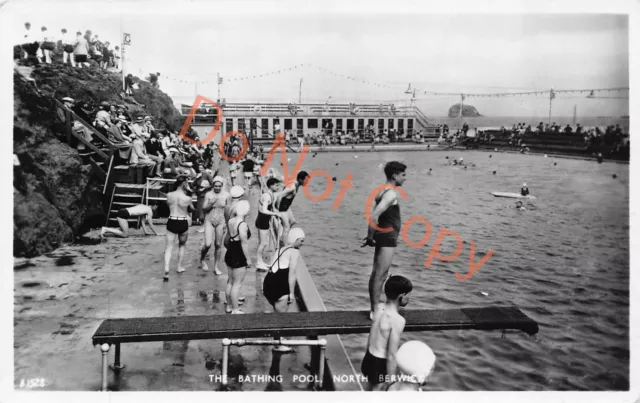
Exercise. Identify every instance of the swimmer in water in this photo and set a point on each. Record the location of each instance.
(386, 331)
(519, 206)
(213, 206)
(415, 361)
(524, 191)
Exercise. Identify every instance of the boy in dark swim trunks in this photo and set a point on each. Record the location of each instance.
(263, 221)
(386, 330)
(386, 214)
(180, 205)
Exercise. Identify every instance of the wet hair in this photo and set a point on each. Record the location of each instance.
(394, 167)
(272, 181)
(302, 175)
(396, 286)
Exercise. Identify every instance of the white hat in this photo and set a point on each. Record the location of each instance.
(416, 360)
(242, 208)
(173, 150)
(218, 179)
(295, 234)
(236, 192)
(68, 99)
(205, 184)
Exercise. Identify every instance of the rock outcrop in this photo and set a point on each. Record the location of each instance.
(56, 196)
(468, 111)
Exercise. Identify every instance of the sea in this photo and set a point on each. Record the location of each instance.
(509, 121)
(564, 261)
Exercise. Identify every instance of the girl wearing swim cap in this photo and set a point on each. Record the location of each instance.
(415, 362)
(237, 256)
(279, 283)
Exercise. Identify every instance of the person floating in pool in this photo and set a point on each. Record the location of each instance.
(524, 191)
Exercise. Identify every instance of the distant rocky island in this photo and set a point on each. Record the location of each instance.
(468, 111)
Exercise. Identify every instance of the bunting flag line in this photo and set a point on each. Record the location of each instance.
(552, 93)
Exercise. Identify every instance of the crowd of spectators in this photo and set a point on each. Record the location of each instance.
(78, 51)
(139, 143)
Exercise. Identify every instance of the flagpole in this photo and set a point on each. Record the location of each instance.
(550, 101)
(461, 106)
(122, 52)
(218, 81)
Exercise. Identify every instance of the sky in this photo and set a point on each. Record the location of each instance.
(471, 53)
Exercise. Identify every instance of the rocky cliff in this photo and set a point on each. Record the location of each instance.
(56, 196)
(468, 111)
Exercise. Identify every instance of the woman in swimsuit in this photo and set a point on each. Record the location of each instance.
(237, 256)
(279, 284)
(264, 219)
(214, 204)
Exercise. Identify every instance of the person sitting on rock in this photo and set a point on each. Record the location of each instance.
(115, 132)
(139, 156)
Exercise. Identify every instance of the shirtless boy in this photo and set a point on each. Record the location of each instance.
(178, 224)
(386, 330)
(213, 206)
(283, 203)
(386, 214)
(141, 210)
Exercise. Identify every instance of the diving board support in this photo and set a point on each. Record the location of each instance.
(105, 365)
(227, 343)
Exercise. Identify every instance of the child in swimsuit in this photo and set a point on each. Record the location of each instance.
(237, 258)
(279, 283)
(385, 333)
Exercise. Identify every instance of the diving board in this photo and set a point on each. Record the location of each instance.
(134, 330)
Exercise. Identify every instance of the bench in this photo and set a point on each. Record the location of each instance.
(301, 324)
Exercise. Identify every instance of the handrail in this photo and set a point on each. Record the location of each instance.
(87, 125)
(226, 343)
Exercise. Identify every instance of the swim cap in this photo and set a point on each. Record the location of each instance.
(295, 234)
(242, 208)
(416, 360)
(236, 192)
(461, 158)
(218, 179)
(524, 184)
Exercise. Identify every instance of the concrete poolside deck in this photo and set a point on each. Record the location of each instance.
(61, 298)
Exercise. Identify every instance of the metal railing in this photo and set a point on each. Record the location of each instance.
(227, 343)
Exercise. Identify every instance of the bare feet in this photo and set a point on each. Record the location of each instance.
(236, 312)
(204, 266)
(181, 269)
(217, 271)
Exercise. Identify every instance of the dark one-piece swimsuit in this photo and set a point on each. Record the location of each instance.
(276, 285)
(389, 218)
(235, 258)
